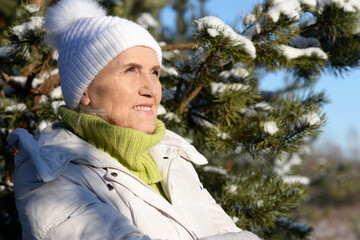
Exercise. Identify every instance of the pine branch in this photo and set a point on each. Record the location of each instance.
(3, 97)
(178, 46)
(185, 102)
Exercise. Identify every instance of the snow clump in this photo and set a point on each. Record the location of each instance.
(270, 127)
(147, 21)
(284, 163)
(56, 104)
(294, 179)
(32, 8)
(56, 93)
(293, 53)
(16, 107)
(309, 3)
(21, 80)
(202, 122)
(43, 99)
(37, 81)
(232, 188)
(214, 169)
(250, 18)
(218, 88)
(43, 124)
(171, 71)
(289, 8)
(34, 23)
(238, 72)
(222, 135)
(172, 117)
(310, 119)
(248, 112)
(235, 219)
(161, 110)
(214, 27)
(263, 105)
(346, 5)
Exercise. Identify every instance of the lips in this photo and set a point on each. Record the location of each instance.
(146, 107)
(142, 108)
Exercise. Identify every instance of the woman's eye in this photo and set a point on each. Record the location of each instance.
(132, 69)
(156, 73)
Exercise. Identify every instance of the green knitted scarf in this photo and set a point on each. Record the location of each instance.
(128, 146)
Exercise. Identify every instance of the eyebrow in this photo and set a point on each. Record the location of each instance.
(156, 67)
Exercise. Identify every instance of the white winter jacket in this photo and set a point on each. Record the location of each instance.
(65, 188)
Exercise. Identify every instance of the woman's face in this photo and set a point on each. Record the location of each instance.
(128, 89)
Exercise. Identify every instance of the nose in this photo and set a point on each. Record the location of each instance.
(149, 86)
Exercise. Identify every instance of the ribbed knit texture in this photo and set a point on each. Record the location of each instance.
(126, 145)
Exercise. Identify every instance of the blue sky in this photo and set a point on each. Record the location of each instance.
(343, 113)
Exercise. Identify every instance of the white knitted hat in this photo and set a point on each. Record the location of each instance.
(87, 40)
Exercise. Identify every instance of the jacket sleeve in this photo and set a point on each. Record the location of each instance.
(220, 219)
(193, 190)
(66, 209)
(224, 226)
(243, 235)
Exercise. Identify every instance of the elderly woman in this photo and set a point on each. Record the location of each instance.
(110, 170)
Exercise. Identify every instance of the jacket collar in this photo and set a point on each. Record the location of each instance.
(57, 146)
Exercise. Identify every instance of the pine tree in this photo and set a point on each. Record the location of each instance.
(180, 6)
(212, 96)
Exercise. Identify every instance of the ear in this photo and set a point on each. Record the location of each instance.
(85, 99)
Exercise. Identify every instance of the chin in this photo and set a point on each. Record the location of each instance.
(148, 130)
(146, 126)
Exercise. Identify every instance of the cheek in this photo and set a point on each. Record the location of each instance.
(122, 97)
(159, 96)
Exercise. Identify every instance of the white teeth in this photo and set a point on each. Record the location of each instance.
(143, 108)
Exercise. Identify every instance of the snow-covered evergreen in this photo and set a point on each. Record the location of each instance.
(212, 96)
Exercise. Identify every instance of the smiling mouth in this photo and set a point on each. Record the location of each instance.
(142, 108)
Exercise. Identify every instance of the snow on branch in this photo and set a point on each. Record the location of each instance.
(218, 88)
(147, 21)
(21, 107)
(206, 124)
(290, 8)
(293, 53)
(32, 8)
(56, 93)
(171, 71)
(270, 127)
(161, 110)
(214, 27)
(34, 23)
(284, 164)
(346, 5)
(198, 57)
(309, 3)
(21, 80)
(310, 119)
(238, 72)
